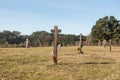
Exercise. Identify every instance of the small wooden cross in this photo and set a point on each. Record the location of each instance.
(55, 31)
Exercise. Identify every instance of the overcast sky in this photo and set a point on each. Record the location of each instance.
(71, 16)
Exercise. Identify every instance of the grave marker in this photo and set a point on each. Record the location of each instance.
(55, 31)
(104, 43)
(99, 43)
(81, 44)
(26, 43)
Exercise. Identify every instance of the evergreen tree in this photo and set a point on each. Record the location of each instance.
(106, 28)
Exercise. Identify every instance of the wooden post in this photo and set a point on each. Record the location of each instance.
(55, 31)
(110, 45)
(81, 44)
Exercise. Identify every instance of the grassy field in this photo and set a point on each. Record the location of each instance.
(97, 63)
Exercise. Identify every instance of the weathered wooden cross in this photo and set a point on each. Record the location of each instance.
(81, 44)
(55, 31)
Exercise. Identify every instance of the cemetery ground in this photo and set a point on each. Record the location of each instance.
(97, 63)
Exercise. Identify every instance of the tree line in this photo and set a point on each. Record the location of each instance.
(36, 39)
(106, 28)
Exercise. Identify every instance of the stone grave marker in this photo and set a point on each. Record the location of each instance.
(27, 43)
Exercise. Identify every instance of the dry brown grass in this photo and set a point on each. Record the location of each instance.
(97, 63)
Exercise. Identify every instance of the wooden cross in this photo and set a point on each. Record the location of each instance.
(81, 44)
(55, 31)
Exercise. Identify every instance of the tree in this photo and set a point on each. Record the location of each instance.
(2, 39)
(7, 36)
(106, 28)
(10, 38)
(38, 38)
(16, 33)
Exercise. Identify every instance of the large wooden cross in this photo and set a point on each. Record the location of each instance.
(55, 31)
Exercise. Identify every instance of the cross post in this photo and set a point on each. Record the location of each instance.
(81, 44)
(55, 31)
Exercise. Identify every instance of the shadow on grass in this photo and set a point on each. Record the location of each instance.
(118, 51)
(99, 63)
(86, 63)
